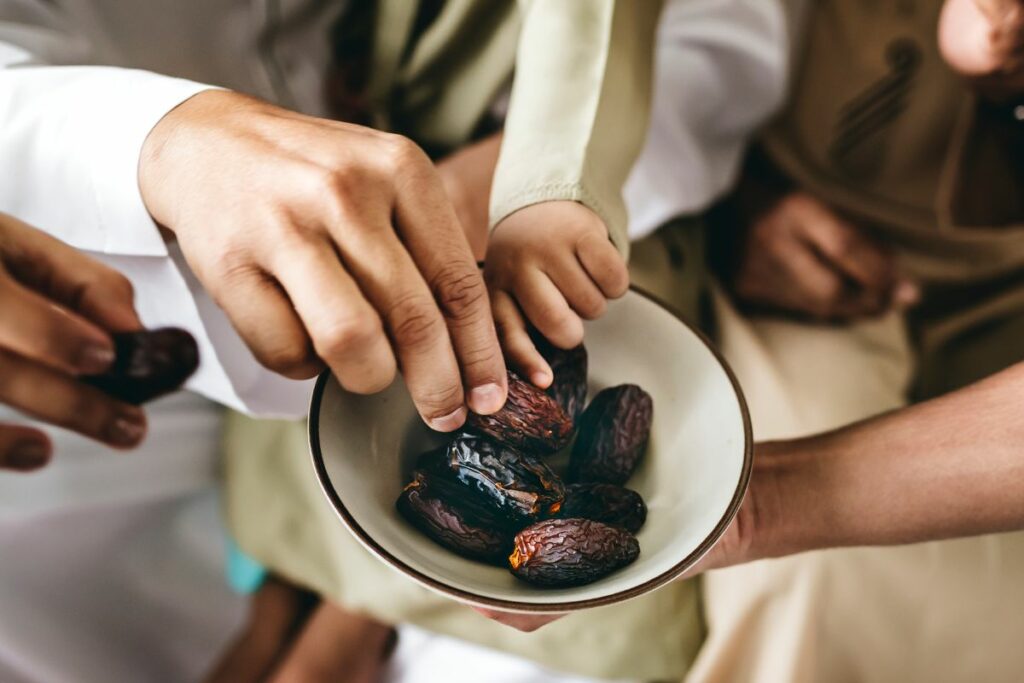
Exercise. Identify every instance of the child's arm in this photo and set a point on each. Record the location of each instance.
(577, 118)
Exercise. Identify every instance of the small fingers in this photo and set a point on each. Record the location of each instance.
(579, 290)
(23, 449)
(56, 398)
(548, 311)
(604, 264)
(519, 348)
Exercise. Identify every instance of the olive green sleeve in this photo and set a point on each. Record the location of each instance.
(579, 108)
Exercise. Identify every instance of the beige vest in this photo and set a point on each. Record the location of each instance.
(879, 127)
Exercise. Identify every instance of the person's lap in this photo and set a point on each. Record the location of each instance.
(944, 611)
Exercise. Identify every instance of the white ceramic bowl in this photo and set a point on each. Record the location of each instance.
(693, 477)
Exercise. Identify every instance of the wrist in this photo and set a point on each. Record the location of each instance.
(788, 500)
(165, 147)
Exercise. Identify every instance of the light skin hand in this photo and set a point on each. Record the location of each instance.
(983, 40)
(327, 242)
(59, 307)
(802, 258)
(552, 265)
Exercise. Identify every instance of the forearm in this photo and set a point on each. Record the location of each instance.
(950, 467)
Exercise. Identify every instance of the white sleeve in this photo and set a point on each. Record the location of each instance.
(720, 71)
(70, 138)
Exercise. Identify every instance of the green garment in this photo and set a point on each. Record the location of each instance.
(279, 516)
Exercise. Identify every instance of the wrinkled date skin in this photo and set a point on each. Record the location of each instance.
(570, 552)
(451, 526)
(486, 474)
(530, 421)
(148, 363)
(569, 386)
(605, 503)
(613, 435)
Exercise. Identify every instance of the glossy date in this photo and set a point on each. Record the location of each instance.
(148, 364)
(569, 367)
(613, 435)
(516, 486)
(606, 503)
(570, 552)
(451, 526)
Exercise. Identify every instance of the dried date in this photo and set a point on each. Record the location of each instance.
(569, 386)
(486, 474)
(613, 435)
(605, 503)
(530, 420)
(451, 526)
(570, 552)
(148, 363)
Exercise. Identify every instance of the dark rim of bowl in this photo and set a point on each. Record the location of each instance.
(514, 605)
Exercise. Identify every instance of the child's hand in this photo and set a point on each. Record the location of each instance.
(553, 263)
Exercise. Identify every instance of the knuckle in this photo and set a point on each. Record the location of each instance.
(413, 323)
(402, 153)
(556, 319)
(459, 291)
(296, 361)
(119, 285)
(592, 306)
(339, 336)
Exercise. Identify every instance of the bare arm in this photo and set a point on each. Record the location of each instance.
(949, 467)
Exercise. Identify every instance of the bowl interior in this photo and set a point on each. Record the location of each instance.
(692, 478)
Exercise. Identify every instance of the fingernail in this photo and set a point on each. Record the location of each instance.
(94, 359)
(27, 455)
(127, 429)
(486, 398)
(541, 379)
(449, 422)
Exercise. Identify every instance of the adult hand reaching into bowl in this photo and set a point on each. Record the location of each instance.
(947, 468)
(59, 308)
(327, 242)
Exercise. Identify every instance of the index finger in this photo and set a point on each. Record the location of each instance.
(430, 231)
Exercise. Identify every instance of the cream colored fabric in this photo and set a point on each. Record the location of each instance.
(936, 612)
